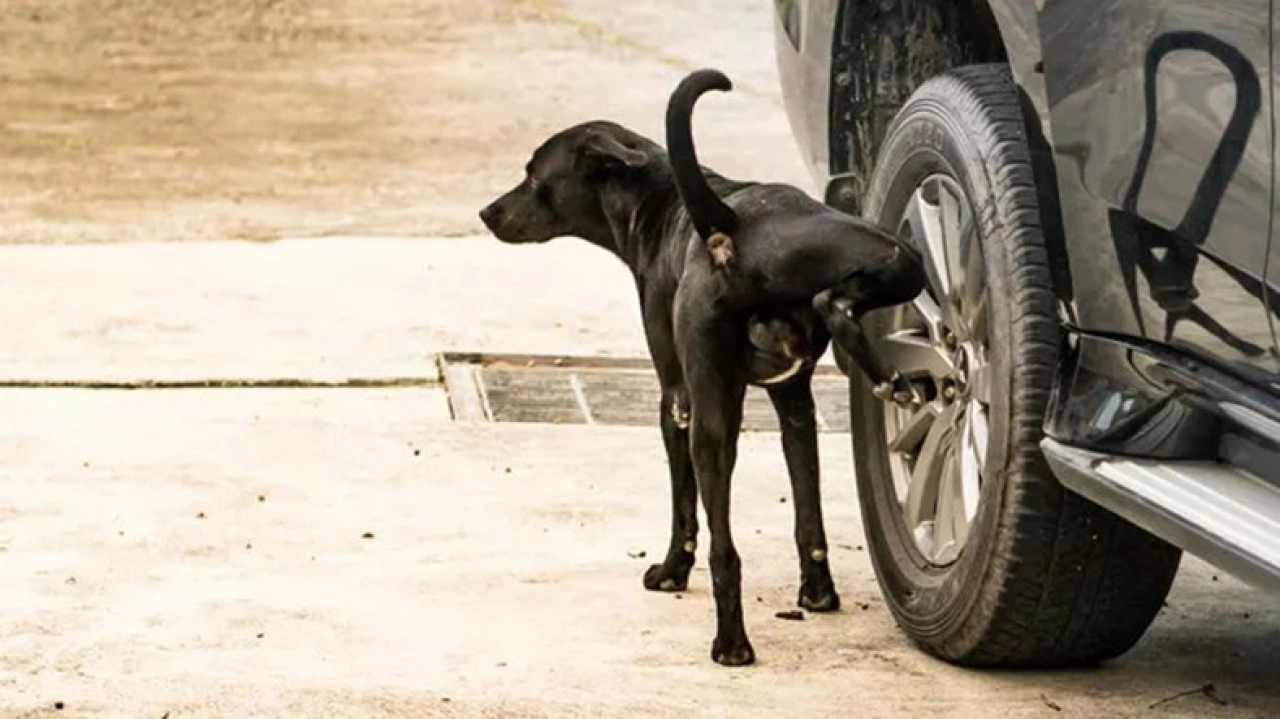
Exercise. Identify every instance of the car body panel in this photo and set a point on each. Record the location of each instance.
(803, 50)
(1129, 396)
(1161, 125)
(1207, 196)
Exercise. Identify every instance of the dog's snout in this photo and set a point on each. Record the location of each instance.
(489, 214)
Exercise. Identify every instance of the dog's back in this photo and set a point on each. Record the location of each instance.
(778, 241)
(788, 247)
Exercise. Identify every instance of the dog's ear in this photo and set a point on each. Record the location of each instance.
(604, 147)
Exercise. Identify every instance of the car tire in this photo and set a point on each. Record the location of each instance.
(1043, 577)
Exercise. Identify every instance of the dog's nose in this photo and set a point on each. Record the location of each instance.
(488, 214)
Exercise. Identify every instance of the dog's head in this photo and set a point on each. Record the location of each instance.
(560, 192)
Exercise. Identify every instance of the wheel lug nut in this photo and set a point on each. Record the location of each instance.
(949, 392)
(949, 338)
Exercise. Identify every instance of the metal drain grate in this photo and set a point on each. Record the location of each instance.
(580, 390)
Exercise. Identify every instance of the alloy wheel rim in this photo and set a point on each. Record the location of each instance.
(937, 442)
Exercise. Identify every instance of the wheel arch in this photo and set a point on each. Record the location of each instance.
(882, 50)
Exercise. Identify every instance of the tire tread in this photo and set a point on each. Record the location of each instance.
(1070, 583)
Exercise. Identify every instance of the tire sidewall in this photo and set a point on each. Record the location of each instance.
(936, 604)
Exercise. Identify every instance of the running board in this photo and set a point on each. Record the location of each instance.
(1224, 515)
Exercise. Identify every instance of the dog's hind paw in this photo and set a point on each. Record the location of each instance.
(819, 601)
(660, 578)
(735, 652)
(829, 304)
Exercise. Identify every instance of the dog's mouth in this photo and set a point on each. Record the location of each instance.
(502, 234)
(507, 228)
(511, 232)
(498, 226)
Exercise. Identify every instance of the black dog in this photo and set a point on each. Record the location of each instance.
(784, 275)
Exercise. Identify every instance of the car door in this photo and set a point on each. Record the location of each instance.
(1161, 123)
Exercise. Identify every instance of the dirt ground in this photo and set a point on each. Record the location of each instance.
(259, 119)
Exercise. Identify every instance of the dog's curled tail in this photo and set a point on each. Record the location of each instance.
(711, 217)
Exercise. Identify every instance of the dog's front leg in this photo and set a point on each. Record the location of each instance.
(715, 420)
(672, 575)
(793, 402)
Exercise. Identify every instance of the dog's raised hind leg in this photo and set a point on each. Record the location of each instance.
(841, 316)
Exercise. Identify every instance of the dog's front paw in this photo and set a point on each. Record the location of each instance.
(733, 651)
(664, 578)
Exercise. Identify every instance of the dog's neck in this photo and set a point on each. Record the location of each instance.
(636, 221)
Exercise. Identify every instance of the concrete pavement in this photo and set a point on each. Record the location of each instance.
(204, 552)
(313, 309)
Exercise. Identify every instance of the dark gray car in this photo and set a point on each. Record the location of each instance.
(1092, 183)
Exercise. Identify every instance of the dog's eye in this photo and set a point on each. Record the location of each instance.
(543, 193)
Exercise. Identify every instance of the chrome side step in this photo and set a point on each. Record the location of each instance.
(1224, 515)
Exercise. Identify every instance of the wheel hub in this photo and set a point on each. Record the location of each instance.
(937, 438)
